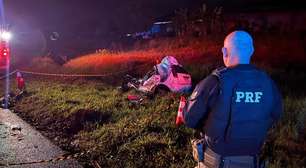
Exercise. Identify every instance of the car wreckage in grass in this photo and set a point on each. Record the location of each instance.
(168, 76)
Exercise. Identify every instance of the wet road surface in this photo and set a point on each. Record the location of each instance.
(21, 143)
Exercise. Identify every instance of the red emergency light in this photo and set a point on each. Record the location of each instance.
(4, 55)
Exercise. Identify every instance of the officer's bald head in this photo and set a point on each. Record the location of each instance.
(238, 48)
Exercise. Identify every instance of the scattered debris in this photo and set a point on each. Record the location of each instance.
(75, 143)
(95, 164)
(16, 128)
(20, 137)
(9, 99)
(74, 102)
(135, 99)
(56, 139)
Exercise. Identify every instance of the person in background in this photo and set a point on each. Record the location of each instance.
(20, 83)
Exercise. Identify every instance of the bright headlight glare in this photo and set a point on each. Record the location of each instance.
(6, 36)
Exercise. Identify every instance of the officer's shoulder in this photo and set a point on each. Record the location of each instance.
(205, 84)
(219, 72)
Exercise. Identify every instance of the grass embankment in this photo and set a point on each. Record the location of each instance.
(83, 114)
(80, 115)
(275, 50)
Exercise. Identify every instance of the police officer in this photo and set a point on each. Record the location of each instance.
(234, 107)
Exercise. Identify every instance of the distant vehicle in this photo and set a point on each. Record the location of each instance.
(163, 29)
(5, 37)
(158, 29)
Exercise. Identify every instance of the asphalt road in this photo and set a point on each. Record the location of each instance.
(21, 143)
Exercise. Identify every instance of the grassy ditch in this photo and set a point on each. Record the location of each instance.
(81, 115)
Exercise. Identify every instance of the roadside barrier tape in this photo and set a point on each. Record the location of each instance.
(8, 75)
(70, 75)
(80, 75)
(74, 75)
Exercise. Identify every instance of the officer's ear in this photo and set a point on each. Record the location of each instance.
(252, 50)
(224, 52)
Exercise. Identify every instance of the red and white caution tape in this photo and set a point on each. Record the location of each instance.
(8, 75)
(68, 75)
(74, 75)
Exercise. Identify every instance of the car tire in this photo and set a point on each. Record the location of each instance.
(161, 90)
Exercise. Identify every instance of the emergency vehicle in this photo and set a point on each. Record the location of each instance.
(4, 49)
(4, 55)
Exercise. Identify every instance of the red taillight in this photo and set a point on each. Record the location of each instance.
(4, 56)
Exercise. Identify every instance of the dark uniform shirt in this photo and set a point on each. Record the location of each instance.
(234, 107)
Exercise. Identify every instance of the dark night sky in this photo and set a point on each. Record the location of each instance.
(85, 23)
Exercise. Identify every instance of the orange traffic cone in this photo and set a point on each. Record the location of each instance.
(179, 118)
